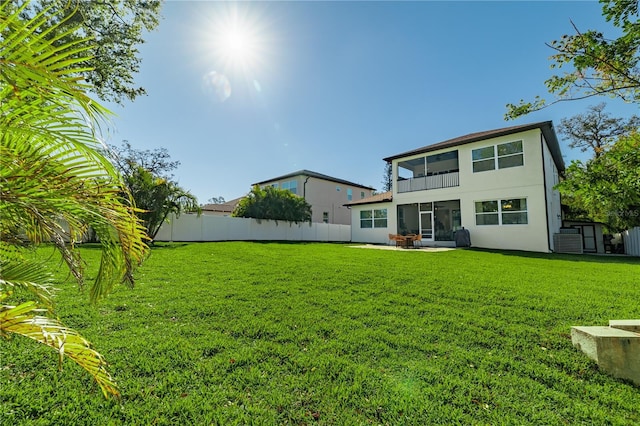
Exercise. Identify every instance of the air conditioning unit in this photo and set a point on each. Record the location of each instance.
(567, 243)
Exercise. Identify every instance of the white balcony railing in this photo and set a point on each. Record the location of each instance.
(445, 180)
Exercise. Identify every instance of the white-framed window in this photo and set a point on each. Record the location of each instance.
(349, 194)
(510, 154)
(291, 186)
(510, 211)
(275, 185)
(325, 217)
(376, 218)
(361, 195)
(500, 156)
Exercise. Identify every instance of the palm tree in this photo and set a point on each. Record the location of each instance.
(157, 197)
(54, 185)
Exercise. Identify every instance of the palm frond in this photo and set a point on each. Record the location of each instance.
(25, 321)
(55, 183)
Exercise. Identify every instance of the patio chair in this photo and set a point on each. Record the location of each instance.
(399, 239)
(417, 240)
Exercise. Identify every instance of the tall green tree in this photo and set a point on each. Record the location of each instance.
(109, 33)
(54, 184)
(156, 198)
(387, 180)
(607, 187)
(594, 64)
(273, 204)
(596, 130)
(148, 178)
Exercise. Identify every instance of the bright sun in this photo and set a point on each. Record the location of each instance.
(237, 42)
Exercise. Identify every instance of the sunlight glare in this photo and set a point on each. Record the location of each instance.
(237, 42)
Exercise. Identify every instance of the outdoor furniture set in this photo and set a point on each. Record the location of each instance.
(406, 241)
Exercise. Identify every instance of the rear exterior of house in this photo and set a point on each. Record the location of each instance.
(497, 184)
(327, 195)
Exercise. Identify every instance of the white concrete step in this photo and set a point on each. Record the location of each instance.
(617, 351)
(629, 325)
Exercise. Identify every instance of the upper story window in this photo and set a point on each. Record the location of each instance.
(292, 186)
(361, 194)
(325, 217)
(499, 156)
(275, 185)
(349, 194)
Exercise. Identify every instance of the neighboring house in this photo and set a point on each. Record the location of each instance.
(224, 209)
(326, 195)
(498, 184)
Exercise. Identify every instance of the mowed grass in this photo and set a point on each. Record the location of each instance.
(274, 333)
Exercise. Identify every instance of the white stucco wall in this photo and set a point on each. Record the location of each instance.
(525, 181)
(372, 235)
(554, 208)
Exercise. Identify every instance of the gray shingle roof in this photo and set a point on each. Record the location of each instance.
(315, 175)
(545, 126)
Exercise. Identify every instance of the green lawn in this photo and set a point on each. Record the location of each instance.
(275, 333)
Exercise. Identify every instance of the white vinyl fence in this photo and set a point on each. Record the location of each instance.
(631, 240)
(190, 227)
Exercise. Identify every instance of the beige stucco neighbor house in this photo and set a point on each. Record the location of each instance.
(498, 184)
(326, 195)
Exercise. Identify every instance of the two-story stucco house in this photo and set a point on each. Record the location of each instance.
(498, 184)
(326, 195)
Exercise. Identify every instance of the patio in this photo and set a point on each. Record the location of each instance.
(393, 247)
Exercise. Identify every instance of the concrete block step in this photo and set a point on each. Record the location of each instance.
(617, 351)
(632, 325)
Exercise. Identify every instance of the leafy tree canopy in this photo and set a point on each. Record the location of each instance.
(607, 187)
(108, 32)
(148, 177)
(273, 204)
(216, 200)
(596, 65)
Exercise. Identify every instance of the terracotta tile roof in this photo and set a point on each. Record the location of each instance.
(545, 126)
(383, 197)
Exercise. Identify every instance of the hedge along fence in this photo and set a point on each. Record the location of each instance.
(190, 227)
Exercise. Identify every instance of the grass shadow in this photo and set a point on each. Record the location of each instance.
(588, 258)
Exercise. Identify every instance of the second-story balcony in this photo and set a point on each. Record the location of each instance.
(428, 172)
(423, 183)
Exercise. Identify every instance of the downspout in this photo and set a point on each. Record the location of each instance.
(544, 184)
(304, 188)
(304, 192)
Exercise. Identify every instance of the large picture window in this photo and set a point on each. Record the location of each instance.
(501, 156)
(373, 218)
(511, 211)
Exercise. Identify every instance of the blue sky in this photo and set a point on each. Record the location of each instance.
(334, 87)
